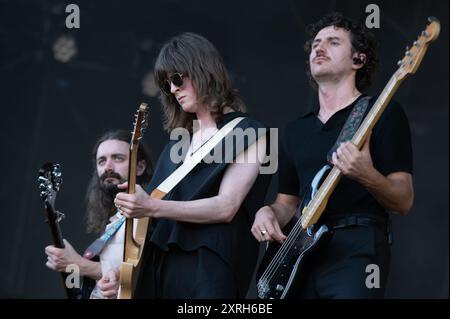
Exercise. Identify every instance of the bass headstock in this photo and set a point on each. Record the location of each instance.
(414, 54)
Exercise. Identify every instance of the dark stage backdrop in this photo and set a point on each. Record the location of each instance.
(54, 111)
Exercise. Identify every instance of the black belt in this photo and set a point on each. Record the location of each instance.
(352, 220)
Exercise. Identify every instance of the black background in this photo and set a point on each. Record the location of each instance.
(53, 111)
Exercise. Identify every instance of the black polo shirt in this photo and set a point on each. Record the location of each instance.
(306, 141)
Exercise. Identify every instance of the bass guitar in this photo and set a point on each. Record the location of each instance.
(280, 269)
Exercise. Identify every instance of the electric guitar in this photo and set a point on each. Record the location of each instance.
(49, 182)
(134, 234)
(280, 269)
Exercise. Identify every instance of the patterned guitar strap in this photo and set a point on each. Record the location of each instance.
(348, 130)
(99, 244)
(351, 125)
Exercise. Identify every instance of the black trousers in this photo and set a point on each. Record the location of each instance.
(345, 267)
(179, 274)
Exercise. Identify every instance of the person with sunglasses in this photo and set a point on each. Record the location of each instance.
(199, 246)
(377, 179)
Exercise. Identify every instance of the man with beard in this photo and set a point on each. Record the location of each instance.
(111, 161)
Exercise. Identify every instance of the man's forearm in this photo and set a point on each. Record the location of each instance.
(393, 192)
(89, 268)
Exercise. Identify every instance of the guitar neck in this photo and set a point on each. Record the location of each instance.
(58, 242)
(130, 243)
(318, 204)
(55, 230)
(132, 170)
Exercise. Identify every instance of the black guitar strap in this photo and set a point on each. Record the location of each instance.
(351, 125)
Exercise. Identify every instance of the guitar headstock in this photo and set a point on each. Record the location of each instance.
(49, 181)
(140, 123)
(414, 55)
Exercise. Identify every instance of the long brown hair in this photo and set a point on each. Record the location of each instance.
(100, 205)
(195, 57)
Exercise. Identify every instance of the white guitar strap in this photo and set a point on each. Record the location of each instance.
(191, 161)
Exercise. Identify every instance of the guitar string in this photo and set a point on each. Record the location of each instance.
(278, 253)
(275, 263)
(271, 268)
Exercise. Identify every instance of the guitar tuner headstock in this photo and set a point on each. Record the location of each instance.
(44, 187)
(144, 124)
(140, 123)
(414, 54)
(49, 181)
(57, 176)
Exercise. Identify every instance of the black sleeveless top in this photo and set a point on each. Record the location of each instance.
(233, 241)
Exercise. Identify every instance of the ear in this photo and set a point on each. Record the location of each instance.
(359, 59)
(140, 168)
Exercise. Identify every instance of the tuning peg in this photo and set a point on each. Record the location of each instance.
(400, 63)
(425, 34)
(59, 216)
(433, 19)
(407, 53)
(416, 43)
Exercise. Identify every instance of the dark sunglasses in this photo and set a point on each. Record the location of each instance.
(176, 79)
